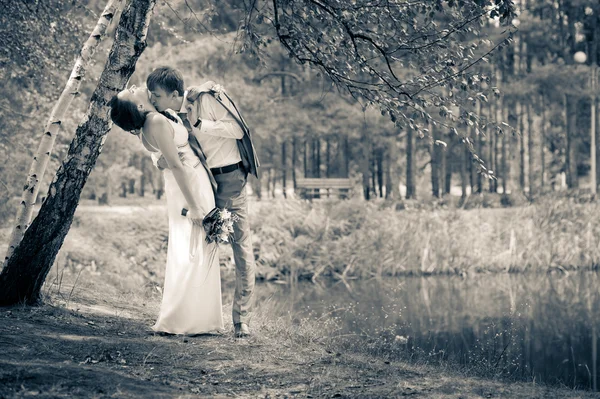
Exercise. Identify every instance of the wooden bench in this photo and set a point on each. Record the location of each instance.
(311, 187)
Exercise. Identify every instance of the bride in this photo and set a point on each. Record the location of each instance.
(191, 302)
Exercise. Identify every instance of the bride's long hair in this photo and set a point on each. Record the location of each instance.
(128, 116)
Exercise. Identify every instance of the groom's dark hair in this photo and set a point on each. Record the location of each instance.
(167, 78)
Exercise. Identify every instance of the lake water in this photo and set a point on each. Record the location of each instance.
(541, 327)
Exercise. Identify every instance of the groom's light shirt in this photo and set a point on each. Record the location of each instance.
(218, 133)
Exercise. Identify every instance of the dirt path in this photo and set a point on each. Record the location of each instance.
(104, 349)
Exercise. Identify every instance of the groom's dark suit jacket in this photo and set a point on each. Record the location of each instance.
(245, 145)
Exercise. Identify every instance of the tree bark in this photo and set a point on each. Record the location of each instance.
(436, 152)
(447, 163)
(294, 161)
(380, 154)
(492, 140)
(25, 271)
(327, 157)
(571, 122)
(522, 115)
(480, 146)
(463, 171)
(161, 187)
(374, 171)
(543, 141)
(305, 157)
(144, 176)
(411, 190)
(464, 156)
(42, 156)
(530, 152)
(365, 162)
(318, 163)
(389, 184)
(283, 166)
(346, 156)
(504, 148)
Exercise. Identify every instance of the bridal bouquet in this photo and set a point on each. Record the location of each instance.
(218, 225)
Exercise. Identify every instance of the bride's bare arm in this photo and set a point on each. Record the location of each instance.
(160, 130)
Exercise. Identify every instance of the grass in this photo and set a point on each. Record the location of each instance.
(354, 239)
(346, 240)
(103, 294)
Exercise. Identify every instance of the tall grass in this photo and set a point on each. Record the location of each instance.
(349, 239)
(355, 239)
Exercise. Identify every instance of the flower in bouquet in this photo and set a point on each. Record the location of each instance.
(218, 225)
(217, 90)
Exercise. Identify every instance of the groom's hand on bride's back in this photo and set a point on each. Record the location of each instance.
(194, 92)
(162, 164)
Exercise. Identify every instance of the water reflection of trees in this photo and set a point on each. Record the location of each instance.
(540, 326)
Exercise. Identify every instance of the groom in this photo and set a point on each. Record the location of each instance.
(221, 139)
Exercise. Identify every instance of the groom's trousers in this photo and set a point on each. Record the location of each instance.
(231, 194)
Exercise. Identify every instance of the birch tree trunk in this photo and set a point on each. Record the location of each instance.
(42, 156)
(24, 272)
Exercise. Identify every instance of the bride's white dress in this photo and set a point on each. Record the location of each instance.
(191, 302)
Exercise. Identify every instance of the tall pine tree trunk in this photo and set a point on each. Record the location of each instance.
(365, 163)
(504, 149)
(160, 186)
(380, 154)
(480, 146)
(42, 156)
(491, 145)
(143, 178)
(530, 152)
(464, 154)
(543, 141)
(305, 157)
(447, 163)
(346, 156)
(594, 111)
(294, 161)
(389, 184)
(374, 171)
(411, 190)
(25, 271)
(283, 167)
(318, 162)
(327, 157)
(571, 122)
(435, 152)
(522, 146)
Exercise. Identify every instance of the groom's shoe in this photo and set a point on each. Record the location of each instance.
(241, 330)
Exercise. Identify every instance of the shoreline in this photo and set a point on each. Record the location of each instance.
(96, 347)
